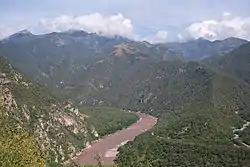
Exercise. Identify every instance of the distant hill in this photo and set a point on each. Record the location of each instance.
(202, 48)
(235, 63)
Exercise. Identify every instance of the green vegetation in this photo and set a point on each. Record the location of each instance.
(101, 166)
(198, 136)
(108, 120)
(163, 152)
(200, 132)
(17, 147)
(199, 105)
(30, 106)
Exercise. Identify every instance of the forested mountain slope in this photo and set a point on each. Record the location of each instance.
(204, 132)
(51, 131)
(17, 147)
(235, 63)
(52, 58)
(211, 130)
(57, 128)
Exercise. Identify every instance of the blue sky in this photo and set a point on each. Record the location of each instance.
(152, 20)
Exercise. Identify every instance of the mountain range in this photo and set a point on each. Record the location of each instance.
(199, 90)
(202, 48)
(60, 60)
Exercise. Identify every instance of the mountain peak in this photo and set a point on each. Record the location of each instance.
(235, 39)
(21, 34)
(24, 31)
(77, 33)
(202, 39)
(122, 49)
(199, 40)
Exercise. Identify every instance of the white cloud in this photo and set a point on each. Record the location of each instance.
(159, 37)
(180, 37)
(97, 23)
(228, 26)
(112, 25)
(227, 14)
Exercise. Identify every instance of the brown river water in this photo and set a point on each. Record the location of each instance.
(106, 148)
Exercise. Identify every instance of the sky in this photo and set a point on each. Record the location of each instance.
(151, 20)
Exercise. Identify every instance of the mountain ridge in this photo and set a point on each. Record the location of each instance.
(201, 105)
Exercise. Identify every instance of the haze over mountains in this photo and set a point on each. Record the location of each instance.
(199, 90)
